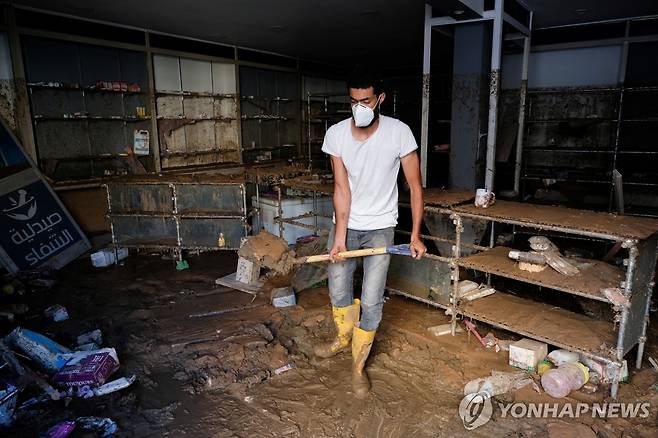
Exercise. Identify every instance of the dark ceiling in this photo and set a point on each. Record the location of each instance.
(335, 31)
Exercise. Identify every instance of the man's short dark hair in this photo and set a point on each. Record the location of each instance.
(365, 77)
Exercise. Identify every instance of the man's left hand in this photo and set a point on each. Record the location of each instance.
(418, 248)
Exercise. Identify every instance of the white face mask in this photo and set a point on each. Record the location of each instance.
(363, 114)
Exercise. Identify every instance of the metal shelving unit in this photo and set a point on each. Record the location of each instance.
(618, 124)
(177, 213)
(605, 341)
(321, 111)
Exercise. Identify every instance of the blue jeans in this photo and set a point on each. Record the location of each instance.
(375, 269)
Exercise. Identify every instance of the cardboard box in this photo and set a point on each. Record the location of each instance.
(526, 354)
(88, 368)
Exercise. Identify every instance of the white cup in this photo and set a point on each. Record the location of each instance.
(484, 198)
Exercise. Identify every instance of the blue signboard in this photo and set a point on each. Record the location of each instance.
(35, 228)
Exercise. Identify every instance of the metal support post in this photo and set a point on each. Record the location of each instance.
(522, 105)
(494, 90)
(424, 130)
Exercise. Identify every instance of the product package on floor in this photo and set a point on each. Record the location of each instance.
(88, 368)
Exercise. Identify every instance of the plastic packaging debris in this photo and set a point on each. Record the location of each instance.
(653, 363)
(498, 383)
(182, 265)
(544, 366)
(60, 430)
(558, 357)
(283, 297)
(47, 353)
(284, 368)
(466, 286)
(104, 427)
(552, 254)
(57, 313)
(616, 297)
(443, 329)
(526, 354)
(570, 376)
(95, 336)
(8, 396)
(88, 368)
(480, 292)
(607, 372)
(106, 257)
(114, 385)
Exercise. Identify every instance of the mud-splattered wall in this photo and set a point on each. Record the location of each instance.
(7, 90)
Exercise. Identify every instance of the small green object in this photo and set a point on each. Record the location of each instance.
(182, 265)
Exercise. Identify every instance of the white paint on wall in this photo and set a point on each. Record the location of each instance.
(5, 58)
(589, 66)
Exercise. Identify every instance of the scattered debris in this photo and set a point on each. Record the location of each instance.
(47, 353)
(560, 381)
(104, 427)
(108, 256)
(94, 337)
(653, 363)
(607, 372)
(552, 254)
(527, 353)
(616, 297)
(8, 396)
(475, 294)
(284, 368)
(56, 313)
(443, 329)
(60, 430)
(88, 368)
(529, 261)
(283, 297)
(247, 272)
(498, 383)
(544, 366)
(182, 265)
(558, 357)
(223, 311)
(471, 329)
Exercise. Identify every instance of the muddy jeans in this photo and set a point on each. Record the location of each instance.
(375, 268)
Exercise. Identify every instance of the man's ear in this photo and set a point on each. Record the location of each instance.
(382, 96)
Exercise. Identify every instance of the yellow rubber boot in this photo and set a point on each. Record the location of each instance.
(344, 318)
(361, 343)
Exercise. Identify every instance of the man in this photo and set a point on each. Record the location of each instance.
(366, 152)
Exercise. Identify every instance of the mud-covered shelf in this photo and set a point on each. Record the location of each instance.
(594, 275)
(195, 94)
(567, 220)
(635, 239)
(34, 86)
(545, 323)
(99, 118)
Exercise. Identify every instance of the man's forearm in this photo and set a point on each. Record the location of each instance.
(417, 211)
(342, 199)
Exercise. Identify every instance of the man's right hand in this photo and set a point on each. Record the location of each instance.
(335, 249)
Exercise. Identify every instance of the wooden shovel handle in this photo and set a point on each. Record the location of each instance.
(345, 254)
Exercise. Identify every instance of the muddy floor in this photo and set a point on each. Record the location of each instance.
(214, 375)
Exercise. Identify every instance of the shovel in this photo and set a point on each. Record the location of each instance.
(394, 249)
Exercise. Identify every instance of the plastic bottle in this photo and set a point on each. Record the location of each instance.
(559, 382)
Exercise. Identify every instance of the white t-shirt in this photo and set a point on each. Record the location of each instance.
(372, 169)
